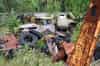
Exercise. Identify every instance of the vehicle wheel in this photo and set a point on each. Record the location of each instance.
(28, 38)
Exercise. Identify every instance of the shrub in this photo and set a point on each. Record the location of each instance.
(11, 22)
(29, 57)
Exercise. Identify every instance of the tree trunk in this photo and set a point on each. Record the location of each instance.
(86, 42)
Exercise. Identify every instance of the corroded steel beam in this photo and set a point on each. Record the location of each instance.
(86, 42)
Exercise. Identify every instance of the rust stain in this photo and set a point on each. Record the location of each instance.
(10, 41)
(87, 39)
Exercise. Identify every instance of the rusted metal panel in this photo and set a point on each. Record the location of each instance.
(86, 42)
(10, 42)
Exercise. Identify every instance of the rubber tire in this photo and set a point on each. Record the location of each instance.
(22, 39)
(38, 34)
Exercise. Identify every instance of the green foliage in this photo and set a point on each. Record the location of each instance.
(53, 6)
(78, 7)
(2, 7)
(29, 57)
(11, 22)
(76, 32)
(40, 44)
(27, 5)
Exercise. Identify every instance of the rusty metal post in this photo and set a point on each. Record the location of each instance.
(86, 42)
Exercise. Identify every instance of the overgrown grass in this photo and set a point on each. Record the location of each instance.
(28, 57)
(76, 32)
